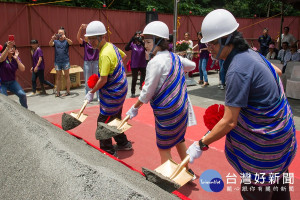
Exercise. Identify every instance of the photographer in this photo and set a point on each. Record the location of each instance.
(62, 61)
(9, 64)
(138, 60)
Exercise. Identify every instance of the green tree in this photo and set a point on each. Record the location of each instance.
(240, 8)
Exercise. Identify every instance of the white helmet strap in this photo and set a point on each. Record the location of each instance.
(154, 46)
(99, 41)
(222, 46)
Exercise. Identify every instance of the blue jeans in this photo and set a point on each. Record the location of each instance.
(90, 68)
(15, 88)
(62, 65)
(222, 72)
(202, 69)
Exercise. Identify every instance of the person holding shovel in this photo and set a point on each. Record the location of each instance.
(165, 88)
(112, 84)
(258, 121)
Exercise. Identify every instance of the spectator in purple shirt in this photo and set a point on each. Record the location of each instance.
(138, 60)
(9, 64)
(38, 67)
(91, 59)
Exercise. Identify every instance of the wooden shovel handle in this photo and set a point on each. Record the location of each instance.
(180, 166)
(123, 121)
(82, 108)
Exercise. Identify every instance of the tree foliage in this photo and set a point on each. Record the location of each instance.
(240, 8)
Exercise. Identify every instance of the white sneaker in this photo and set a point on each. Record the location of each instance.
(31, 94)
(222, 87)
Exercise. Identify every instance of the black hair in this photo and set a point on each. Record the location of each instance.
(62, 28)
(266, 29)
(34, 42)
(5, 45)
(237, 41)
(163, 44)
(286, 43)
(170, 38)
(138, 32)
(199, 33)
(187, 33)
(288, 28)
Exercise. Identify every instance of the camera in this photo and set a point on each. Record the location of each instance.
(138, 39)
(58, 36)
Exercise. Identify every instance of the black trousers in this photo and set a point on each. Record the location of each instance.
(39, 74)
(255, 194)
(135, 73)
(120, 139)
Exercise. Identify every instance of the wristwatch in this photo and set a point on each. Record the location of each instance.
(203, 146)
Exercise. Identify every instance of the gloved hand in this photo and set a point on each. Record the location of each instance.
(194, 151)
(132, 112)
(89, 96)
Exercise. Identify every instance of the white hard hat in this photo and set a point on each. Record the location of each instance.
(95, 28)
(217, 24)
(158, 29)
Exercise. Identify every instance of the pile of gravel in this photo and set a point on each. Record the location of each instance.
(40, 161)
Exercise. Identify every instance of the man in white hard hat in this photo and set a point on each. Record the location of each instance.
(165, 88)
(258, 122)
(112, 84)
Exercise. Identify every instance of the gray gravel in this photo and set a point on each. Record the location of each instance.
(41, 161)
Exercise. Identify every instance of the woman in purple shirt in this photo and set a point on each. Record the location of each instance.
(38, 67)
(91, 59)
(9, 64)
(138, 60)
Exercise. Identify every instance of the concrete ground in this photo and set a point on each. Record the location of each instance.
(44, 105)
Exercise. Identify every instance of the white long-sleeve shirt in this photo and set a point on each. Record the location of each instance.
(157, 71)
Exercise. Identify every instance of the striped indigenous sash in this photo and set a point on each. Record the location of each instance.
(112, 95)
(264, 140)
(170, 107)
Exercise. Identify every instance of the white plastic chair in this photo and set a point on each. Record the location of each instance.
(293, 84)
(288, 72)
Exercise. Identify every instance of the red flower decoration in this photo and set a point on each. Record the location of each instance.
(92, 81)
(213, 115)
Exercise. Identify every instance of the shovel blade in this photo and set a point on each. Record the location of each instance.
(117, 122)
(69, 122)
(169, 167)
(107, 131)
(82, 117)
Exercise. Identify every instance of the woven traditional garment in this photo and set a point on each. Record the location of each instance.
(264, 140)
(112, 95)
(170, 107)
